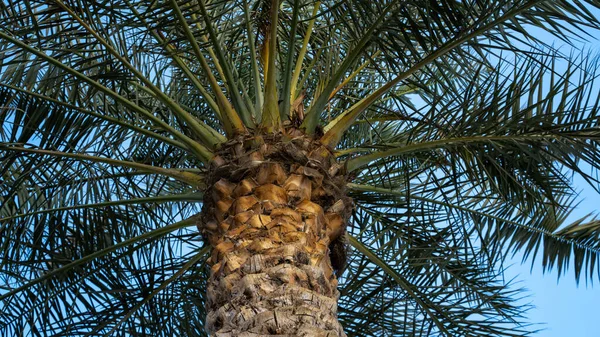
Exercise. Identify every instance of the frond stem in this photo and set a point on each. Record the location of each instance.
(186, 177)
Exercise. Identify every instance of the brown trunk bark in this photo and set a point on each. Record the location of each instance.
(275, 205)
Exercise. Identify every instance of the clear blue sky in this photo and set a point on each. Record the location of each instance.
(566, 309)
(560, 307)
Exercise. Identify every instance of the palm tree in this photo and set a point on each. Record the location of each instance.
(358, 168)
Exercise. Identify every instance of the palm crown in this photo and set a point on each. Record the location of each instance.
(459, 130)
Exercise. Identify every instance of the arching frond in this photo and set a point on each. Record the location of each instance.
(458, 123)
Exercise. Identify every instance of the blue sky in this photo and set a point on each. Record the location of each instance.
(566, 309)
(563, 308)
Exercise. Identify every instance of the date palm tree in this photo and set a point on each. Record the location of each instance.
(290, 168)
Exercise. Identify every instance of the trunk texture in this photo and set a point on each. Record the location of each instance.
(275, 211)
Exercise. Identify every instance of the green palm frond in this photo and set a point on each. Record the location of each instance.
(459, 123)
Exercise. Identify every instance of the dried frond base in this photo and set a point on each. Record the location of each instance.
(275, 204)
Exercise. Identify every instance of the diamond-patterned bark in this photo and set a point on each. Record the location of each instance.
(275, 207)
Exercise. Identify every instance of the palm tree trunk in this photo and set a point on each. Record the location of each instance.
(275, 205)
